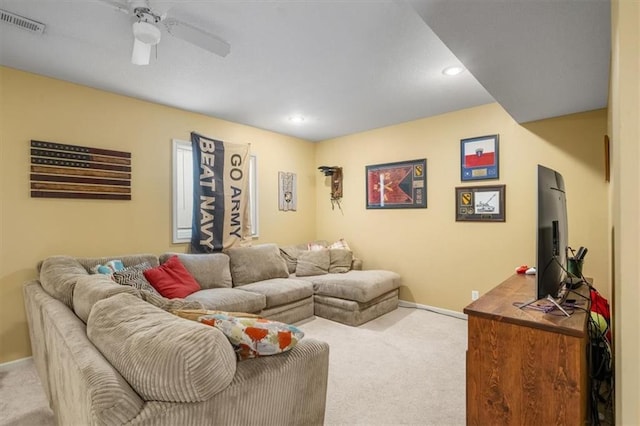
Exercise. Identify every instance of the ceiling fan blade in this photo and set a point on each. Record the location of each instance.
(196, 36)
(118, 5)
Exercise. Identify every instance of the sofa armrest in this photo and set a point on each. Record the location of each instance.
(83, 388)
(163, 357)
(294, 379)
(285, 389)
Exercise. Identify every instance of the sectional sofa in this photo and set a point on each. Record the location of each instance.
(109, 353)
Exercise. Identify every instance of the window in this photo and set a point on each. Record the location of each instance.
(183, 192)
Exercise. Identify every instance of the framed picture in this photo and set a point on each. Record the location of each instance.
(480, 203)
(401, 185)
(479, 158)
(287, 191)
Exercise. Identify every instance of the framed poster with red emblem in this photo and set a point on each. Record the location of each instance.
(479, 158)
(401, 185)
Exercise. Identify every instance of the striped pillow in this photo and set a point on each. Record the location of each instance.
(340, 244)
(133, 276)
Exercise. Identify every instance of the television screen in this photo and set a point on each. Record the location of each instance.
(552, 233)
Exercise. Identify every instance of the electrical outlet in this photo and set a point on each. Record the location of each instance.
(474, 294)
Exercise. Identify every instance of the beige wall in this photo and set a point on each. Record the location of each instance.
(441, 261)
(624, 108)
(34, 107)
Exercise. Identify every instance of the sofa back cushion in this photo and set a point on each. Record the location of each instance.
(127, 260)
(162, 356)
(341, 260)
(313, 262)
(211, 270)
(290, 255)
(90, 289)
(256, 263)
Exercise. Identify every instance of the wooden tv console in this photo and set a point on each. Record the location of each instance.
(524, 366)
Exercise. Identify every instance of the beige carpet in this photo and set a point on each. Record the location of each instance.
(406, 367)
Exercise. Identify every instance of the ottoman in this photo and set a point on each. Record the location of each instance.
(354, 297)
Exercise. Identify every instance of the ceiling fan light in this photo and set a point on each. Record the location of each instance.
(451, 71)
(146, 33)
(141, 53)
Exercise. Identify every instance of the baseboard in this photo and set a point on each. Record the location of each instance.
(455, 314)
(6, 366)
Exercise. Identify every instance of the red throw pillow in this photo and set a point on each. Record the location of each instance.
(171, 279)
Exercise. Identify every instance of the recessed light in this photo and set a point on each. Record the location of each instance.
(296, 119)
(455, 70)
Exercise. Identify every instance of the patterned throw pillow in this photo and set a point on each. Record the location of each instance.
(108, 268)
(134, 276)
(316, 246)
(340, 244)
(255, 337)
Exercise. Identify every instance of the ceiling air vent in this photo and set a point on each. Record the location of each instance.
(21, 22)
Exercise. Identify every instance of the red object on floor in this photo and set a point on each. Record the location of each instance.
(522, 269)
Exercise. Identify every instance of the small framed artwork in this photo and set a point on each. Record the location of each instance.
(480, 203)
(401, 185)
(287, 191)
(479, 158)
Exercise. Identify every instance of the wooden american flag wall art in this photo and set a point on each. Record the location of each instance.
(72, 171)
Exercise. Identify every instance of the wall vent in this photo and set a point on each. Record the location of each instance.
(21, 22)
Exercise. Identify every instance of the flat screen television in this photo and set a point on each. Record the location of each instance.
(552, 234)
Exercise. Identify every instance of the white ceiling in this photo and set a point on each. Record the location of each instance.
(347, 66)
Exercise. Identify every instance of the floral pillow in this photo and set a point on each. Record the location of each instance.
(108, 268)
(255, 337)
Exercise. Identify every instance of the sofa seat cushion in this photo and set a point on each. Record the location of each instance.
(280, 291)
(291, 312)
(211, 270)
(229, 299)
(162, 357)
(354, 313)
(361, 286)
(352, 305)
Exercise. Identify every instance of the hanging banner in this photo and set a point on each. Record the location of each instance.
(220, 195)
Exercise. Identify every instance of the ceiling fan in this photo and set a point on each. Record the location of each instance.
(147, 24)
